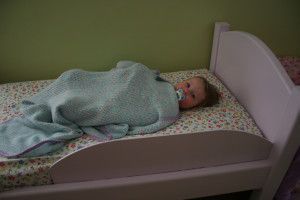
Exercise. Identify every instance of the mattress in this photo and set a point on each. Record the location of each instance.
(227, 115)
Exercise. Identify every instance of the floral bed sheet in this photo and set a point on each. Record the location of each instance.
(227, 115)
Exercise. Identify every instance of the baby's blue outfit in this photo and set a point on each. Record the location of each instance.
(129, 99)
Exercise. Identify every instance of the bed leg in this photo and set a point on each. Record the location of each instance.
(288, 184)
(256, 195)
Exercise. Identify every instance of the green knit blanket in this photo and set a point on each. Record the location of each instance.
(129, 99)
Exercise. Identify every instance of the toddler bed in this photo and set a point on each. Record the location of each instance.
(227, 115)
(230, 147)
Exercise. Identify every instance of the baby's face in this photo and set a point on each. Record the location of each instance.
(194, 90)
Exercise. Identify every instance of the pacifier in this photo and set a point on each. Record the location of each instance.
(180, 94)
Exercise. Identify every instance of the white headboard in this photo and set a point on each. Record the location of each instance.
(254, 75)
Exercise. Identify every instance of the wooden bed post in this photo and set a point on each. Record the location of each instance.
(219, 28)
(284, 148)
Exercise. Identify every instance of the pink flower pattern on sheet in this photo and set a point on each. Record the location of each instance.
(34, 171)
(292, 66)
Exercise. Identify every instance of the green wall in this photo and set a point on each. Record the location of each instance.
(39, 39)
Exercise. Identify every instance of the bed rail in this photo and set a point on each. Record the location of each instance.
(152, 155)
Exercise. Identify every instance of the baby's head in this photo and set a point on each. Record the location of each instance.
(198, 92)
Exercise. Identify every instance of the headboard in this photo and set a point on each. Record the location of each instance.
(250, 70)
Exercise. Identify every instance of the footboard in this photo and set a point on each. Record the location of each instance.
(152, 155)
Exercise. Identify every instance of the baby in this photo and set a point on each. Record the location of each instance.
(196, 91)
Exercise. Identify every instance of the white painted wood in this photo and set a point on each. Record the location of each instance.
(285, 147)
(151, 155)
(254, 75)
(220, 27)
(183, 184)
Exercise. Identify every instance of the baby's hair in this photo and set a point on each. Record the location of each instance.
(211, 94)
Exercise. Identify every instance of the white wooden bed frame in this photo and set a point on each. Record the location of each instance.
(196, 165)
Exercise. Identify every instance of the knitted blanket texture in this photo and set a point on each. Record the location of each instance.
(129, 99)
